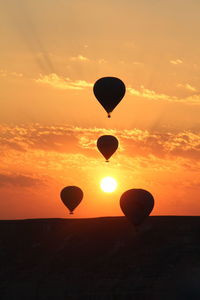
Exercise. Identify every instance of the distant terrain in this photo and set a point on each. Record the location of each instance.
(100, 258)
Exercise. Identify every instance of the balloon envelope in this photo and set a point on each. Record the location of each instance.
(136, 204)
(109, 91)
(71, 196)
(107, 145)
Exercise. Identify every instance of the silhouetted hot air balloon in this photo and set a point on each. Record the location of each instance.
(109, 91)
(107, 145)
(71, 196)
(136, 204)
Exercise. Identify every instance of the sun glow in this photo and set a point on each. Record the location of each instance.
(108, 184)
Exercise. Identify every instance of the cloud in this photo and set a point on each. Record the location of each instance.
(165, 163)
(78, 140)
(163, 145)
(185, 143)
(194, 100)
(102, 61)
(152, 95)
(138, 63)
(79, 58)
(187, 86)
(64, 83)
(149, 94)
(176, 62)
(50, 152)
(18, 180)
(5, 73)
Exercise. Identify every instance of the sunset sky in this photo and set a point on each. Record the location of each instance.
(52, 52)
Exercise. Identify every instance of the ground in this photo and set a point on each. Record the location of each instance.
(100, 258)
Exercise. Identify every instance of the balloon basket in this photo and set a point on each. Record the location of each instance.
(71, 213)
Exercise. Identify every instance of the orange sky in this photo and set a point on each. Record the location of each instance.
(52, 53)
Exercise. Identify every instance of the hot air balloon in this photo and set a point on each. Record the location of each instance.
(71, 196)
(136, 204)
(107, 145)
(109, 91)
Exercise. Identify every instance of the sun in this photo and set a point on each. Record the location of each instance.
(108, 184)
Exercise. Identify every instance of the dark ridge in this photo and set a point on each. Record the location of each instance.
(100, 258)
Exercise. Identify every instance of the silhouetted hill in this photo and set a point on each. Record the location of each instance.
(101, 258)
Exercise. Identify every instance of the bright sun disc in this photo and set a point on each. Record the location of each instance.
(108, 184)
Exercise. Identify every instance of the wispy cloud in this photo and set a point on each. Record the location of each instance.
(102, 61)
(187, 86)
(176, 61)
(70, 139)
(149, 94)
(52, 152)
(138, 63)
(18, 180)
(64, 83)
(5, 73)
(43, 159)
(79, 58)
(152, 95)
